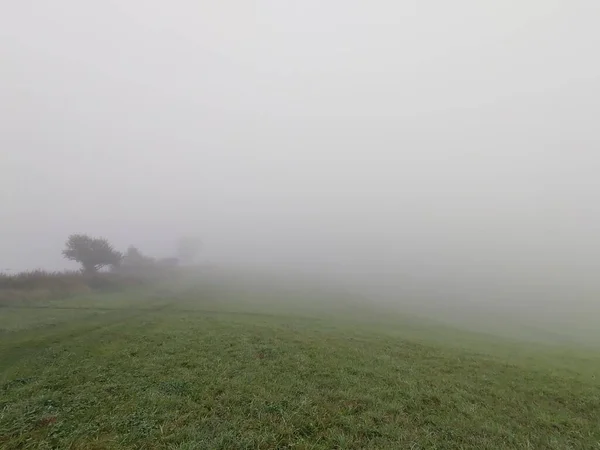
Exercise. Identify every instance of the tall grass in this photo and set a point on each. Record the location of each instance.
(41, 279)
(39, 285)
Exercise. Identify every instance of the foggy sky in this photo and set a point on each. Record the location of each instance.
(434, 139)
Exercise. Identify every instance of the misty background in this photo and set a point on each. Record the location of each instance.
(437, 150)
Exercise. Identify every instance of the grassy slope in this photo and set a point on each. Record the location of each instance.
(240, 368)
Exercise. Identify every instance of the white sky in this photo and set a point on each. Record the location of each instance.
(453, 138)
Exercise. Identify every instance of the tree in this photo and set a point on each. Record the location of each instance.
(188, 249)
(134, 257)
(135, 261)
(91, 253)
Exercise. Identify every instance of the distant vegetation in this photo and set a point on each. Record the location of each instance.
(92, 253)
(40, 285)
(102, 268)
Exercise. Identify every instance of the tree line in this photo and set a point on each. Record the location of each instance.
(96, 253)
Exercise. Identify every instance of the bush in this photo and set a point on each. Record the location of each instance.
(39, 279)
(34, 286)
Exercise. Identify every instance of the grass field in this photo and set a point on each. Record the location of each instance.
(215, 367)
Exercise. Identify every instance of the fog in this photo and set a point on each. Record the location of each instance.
(443, 147)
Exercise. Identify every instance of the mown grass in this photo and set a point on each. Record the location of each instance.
(208, 368)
